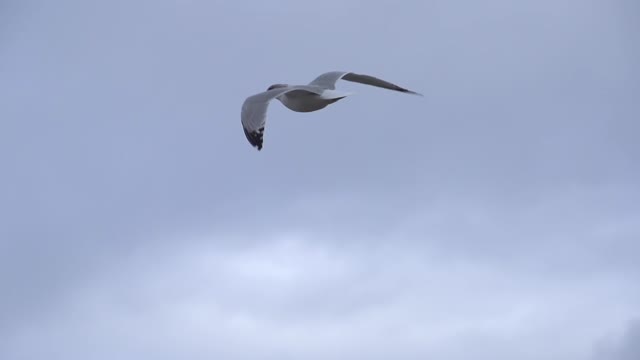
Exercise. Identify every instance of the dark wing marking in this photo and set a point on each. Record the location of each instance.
(374, 81)
(328, 81)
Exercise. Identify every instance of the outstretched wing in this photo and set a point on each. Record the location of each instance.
(328, 81)
(254, 111)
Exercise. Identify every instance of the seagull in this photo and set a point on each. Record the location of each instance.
(317, 95)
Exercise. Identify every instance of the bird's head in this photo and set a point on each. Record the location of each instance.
(276, 86)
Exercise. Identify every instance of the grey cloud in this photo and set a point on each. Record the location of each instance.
(298, 295)
(626, 347)
(120, 127)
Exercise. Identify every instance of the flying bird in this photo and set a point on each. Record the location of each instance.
(317, 95)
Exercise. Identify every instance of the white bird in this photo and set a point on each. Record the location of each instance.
(302, 98)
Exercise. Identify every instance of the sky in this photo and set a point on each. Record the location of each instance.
(497, 217)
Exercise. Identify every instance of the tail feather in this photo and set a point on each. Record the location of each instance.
(335, 94)
(331, 101)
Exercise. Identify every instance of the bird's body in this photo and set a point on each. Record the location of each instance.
(315, 96)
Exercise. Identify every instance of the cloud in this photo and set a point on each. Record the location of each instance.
(623, 347)
(493, 217)
(413, 290)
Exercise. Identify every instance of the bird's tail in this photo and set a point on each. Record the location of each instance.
(335, 94)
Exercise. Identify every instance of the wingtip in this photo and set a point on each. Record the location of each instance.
(255, 137)
(406, 91)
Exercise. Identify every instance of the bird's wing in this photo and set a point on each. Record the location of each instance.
(254, 111)
(328, 81)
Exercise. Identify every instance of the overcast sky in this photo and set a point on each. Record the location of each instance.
(496, 218)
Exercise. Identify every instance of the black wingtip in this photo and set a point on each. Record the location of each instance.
(407, 91)
(414, 93)
(255, 137)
